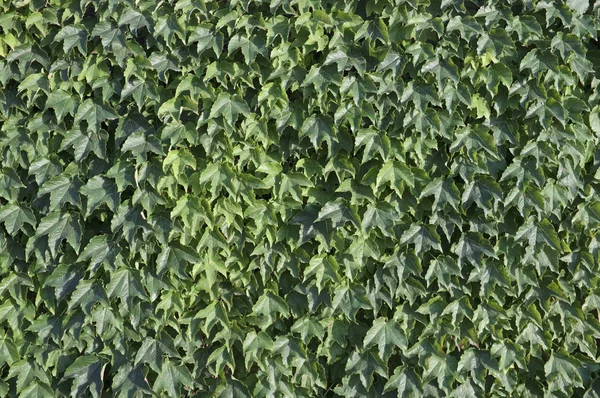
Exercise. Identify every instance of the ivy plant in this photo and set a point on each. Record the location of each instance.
(299, 198)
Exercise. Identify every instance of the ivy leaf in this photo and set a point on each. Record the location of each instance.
(86, 295)
(58, 226)
(14, 216)
(140, 145)
(484, 191)
(338, 212)
(134, 19)
(86, 372)
(539, 61)
(366, 364)
(444, 191)
(350, 299)
(250, 47)
(539, 233)
(255, 344)
(83, 144)
(579, 6)
(38, 390)
(176, 258)
(94, 114)
(405, 382)
(124, 285)
(171, 378)
(100, 190)
(62, 102)
(71, 36)
(324, 268)
(26, 372)
(373, 142)
(139, 90)
(563, 369)
(471, 247)
(152, 352)
(62, 190)
(318, 130)
(99, 250)
(395, 174)
(386, 335)
(270, 305)
(109, 35)
(424, 237)
(129, 380)
(381, 216)
(229, 107)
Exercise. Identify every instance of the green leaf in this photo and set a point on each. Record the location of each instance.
(318, 130)
(9, 352)
(86, 295)
(539, 233)
(234, 389)
(99, 250)
(229, 107)
(563, 369)
(382, 216)
(444, 191)
(424, 237)
(134, 19)
(83, 144)
(472, 246)
(405, 382)
(58, 226)
(338, 212)
(139, 90)
(254, 346)
(38, 390)
(396, 174)
(579, 6)
(99, 190)
(14, 216)
(87, 372)
(324, 268)
(71, 36)
(109, 35)
(350, 299)
(62, 102)
(129, 381)
(171, 378)
(386, 335)
(26, 371)
(94, 114)
(62, 190)
(269, 305)
(366, 364)
(373, 142)
(250, 47)
(140, 145)
(538, 61)
(125, 285)
(176, 258)
(152, 352)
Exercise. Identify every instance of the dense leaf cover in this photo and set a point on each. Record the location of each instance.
(299, 198)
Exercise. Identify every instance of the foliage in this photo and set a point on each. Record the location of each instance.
(299, 198)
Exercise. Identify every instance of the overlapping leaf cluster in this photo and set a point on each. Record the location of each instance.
(299, 198)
